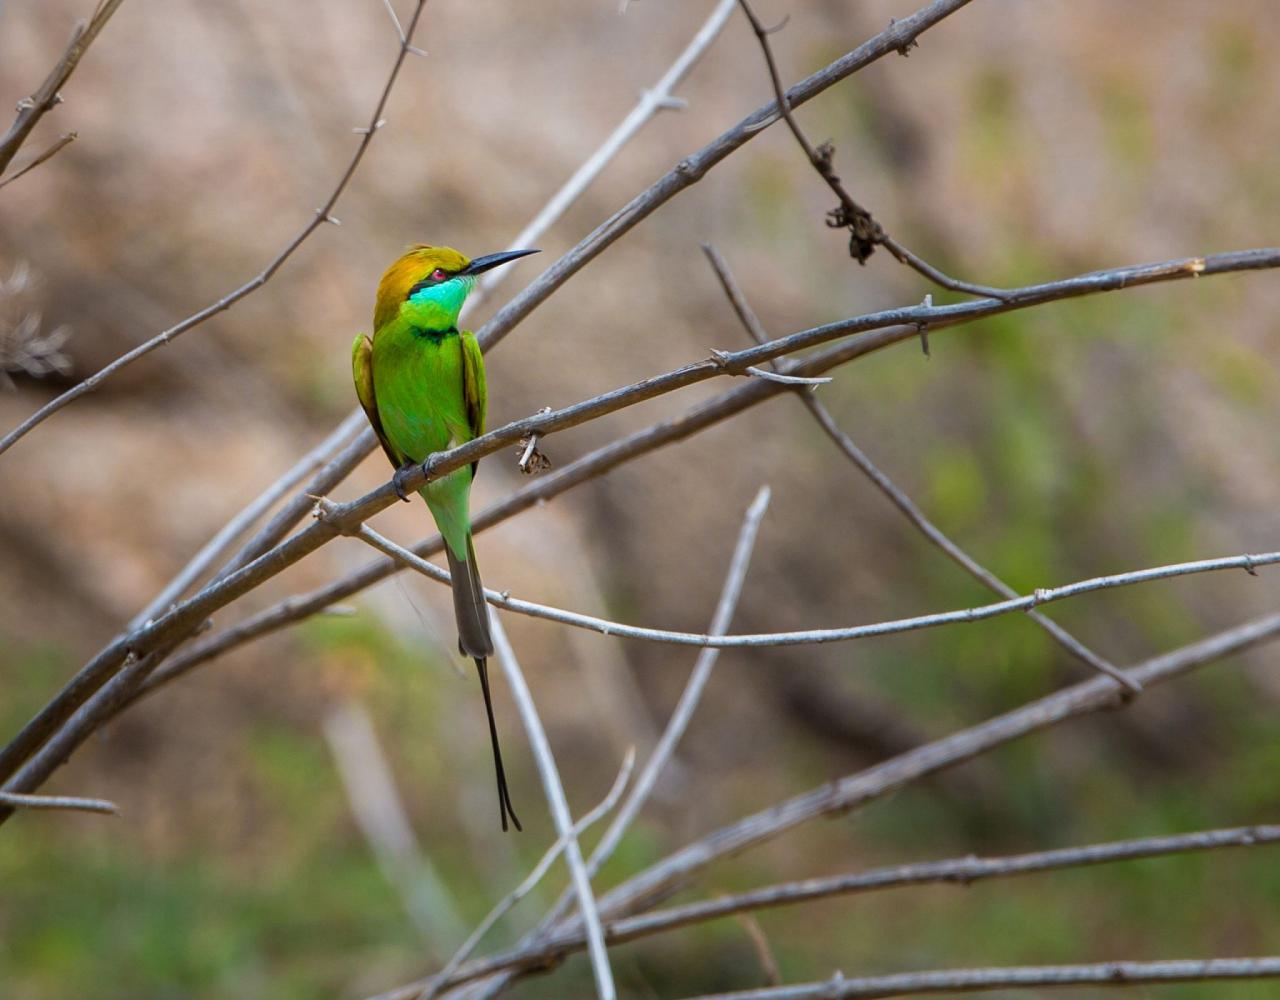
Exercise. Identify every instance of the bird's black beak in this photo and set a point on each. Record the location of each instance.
(482, 264)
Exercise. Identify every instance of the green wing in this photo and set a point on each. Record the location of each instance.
(474, 393)
(362, 372)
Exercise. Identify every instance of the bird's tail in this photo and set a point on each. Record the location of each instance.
(472, 615)
(469, 607)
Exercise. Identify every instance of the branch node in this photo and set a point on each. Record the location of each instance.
(532, 461)
(1249, 567)
(325, 510)
(905, 48)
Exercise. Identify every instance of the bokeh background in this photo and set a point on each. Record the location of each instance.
(1020, 142)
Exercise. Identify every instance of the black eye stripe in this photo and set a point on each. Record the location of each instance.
(427, 282)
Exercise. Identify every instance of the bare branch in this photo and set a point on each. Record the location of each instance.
(48, 96)
(321, 216)
(559, 805)
(16, 800)
(967, 980)
(751, 323)
(533, 878)
(953, 871)
(865, 234)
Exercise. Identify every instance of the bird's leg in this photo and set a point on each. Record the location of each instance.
(428, 470)
(398, 479)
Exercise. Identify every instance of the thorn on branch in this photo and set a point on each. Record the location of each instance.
(923, 328)
(326, 217)
(905, 48)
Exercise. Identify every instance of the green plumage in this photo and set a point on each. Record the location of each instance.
(421, 383)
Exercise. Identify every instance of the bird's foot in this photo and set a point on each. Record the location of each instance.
(398, 479)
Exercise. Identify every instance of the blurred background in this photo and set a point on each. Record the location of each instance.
(1020, 142)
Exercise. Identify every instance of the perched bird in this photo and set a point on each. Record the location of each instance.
(421, 383)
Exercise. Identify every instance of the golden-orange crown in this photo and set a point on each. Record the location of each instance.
(418, 262)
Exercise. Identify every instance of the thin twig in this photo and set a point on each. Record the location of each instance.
(663, 878)
(554, 790)
(865, 233)
(505, 905)
(321, 216)
(62, 142)
(801, 637)
(1194, 970)
(755, 329)
(48, 96)
(18, 800)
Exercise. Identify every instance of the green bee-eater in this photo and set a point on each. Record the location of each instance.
(421, 382)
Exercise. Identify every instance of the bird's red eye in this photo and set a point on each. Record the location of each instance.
(438, 274)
